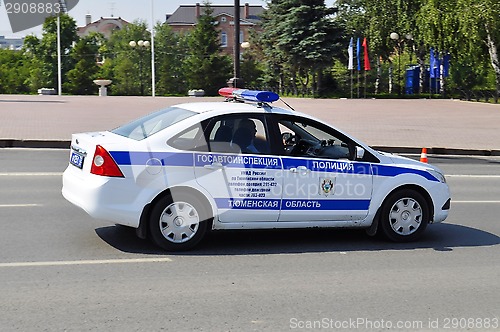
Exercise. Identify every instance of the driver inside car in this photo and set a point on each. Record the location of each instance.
(244, 136)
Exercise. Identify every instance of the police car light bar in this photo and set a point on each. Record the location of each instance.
(249, 95)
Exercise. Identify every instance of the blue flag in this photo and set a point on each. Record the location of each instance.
(358, 53)
(432, 65)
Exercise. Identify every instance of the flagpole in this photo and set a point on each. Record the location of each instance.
(351, 82)
(62, 9)
(358, 84)
(358, 60)
(59, 71)
(365, 84)
(350, 64)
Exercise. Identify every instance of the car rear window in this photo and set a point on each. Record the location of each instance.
(152, 123)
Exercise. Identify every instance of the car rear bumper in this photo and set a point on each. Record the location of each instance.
(101, 197)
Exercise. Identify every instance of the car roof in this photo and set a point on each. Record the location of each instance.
(232, 107)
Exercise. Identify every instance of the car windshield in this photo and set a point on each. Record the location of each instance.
(151, 124)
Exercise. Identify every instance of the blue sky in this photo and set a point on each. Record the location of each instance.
(129, 10)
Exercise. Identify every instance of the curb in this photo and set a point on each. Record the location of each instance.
(62, 144)
(441, 151)
(35, 144)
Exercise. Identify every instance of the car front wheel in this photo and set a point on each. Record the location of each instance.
(405, 216)
(178, 222)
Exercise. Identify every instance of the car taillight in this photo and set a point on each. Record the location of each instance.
(104, 165)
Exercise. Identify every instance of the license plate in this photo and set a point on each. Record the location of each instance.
(76, 159)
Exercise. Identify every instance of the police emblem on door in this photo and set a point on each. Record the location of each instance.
(327, 186)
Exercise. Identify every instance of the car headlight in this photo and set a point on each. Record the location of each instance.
(437, 175)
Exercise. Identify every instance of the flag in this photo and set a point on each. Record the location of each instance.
(437, 69)
(432, 73)
(446, 65)
(358, 53)
(350, 51)
(365, 51)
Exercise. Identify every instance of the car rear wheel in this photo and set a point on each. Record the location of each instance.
(178, 222)
(404, 216)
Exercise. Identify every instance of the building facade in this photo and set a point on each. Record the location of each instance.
(11, 43)
(186, 17)
(104, 25)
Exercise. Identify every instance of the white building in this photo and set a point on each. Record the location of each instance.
(105, 25)
(11, 43)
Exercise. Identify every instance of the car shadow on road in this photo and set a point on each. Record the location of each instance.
(440, 237)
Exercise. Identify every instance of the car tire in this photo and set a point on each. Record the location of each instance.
(404, 216)
(178, 222)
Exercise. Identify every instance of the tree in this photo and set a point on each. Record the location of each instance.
(44, 51)
(80, 78)
(205, 67)
(251, 70)
(376, 20)
(130, 67)
(306, 36)
(14, 71)
(171, 51)
(480, 25)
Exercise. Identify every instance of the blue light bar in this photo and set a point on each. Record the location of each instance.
(255, 95)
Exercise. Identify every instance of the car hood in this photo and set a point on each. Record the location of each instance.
(404, 161)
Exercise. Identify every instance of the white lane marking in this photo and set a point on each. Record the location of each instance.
(87, 262)
(486, 176)
(32, 174)
(476, 202)
(19, 205)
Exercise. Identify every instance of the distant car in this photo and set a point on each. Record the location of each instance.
(244, 164)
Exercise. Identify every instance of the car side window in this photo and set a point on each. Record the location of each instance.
(305, 138)
(245, 134)
(191, 139)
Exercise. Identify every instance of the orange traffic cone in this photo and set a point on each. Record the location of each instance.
(423, 155)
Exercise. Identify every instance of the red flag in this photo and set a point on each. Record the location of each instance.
(365, 51)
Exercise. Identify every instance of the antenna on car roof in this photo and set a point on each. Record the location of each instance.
(284, 102)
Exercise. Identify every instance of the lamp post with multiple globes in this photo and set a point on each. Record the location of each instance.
(140, 46)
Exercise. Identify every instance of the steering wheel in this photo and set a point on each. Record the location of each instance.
(288, 138)
(301, 147)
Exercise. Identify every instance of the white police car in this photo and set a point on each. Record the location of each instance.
(244, 164)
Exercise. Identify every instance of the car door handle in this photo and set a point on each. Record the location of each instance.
(300, 169)
(214, 165)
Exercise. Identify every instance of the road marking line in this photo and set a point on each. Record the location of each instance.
(479, 202)
(19, 205)
(87, 262)
(32, 174)
(472, 176)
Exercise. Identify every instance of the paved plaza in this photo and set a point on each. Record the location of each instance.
(400, 125)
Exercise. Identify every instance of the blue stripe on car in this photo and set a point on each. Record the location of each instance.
(141, 158)
(293, 204)
(391, 171)
(126, 158)
(325, 204)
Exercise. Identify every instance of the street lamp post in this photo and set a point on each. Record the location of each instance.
(140, 45)
(236, 81)
(395, 36)
(409, 40)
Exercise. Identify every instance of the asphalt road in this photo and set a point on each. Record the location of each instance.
(61, 270)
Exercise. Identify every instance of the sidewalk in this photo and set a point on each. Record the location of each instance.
(443, 126)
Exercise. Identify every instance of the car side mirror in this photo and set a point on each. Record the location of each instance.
(360, 152)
